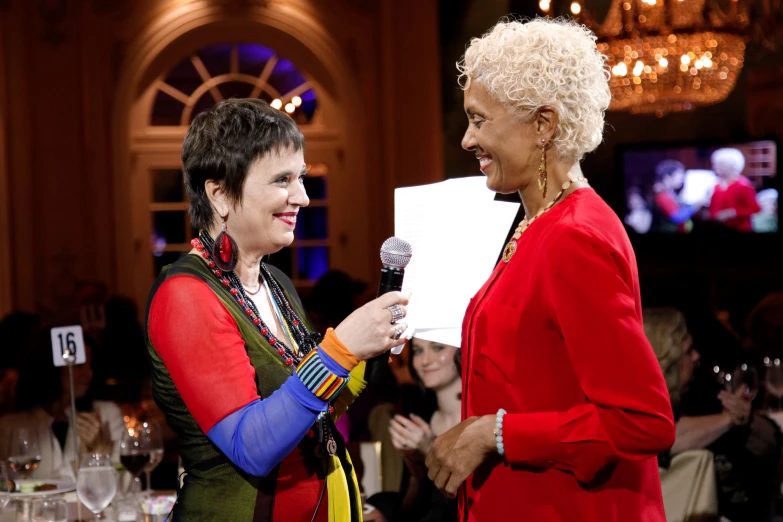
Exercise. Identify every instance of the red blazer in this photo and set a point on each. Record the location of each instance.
(555, 338)
(739, 195)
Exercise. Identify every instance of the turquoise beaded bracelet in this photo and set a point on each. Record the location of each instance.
(498, 431)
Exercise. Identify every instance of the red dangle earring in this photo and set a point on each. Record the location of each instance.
(225, 251)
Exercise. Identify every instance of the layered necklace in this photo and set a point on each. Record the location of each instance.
(291, 321)
(511, 246)
(295, 327)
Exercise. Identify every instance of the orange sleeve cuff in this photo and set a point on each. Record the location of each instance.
(335, 349)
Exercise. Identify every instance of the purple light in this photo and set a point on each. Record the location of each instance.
(254, 53)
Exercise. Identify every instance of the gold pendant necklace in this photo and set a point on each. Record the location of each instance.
(511, 246)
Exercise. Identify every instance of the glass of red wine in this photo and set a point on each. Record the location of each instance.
(136, 447)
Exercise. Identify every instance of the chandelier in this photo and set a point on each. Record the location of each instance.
(674, 55)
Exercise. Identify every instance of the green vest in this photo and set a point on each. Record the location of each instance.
(214, 489)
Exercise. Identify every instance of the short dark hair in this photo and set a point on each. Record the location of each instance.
(666, 168)
(224, 141)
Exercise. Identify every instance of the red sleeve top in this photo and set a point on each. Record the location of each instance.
(213, 375)
(555, 338)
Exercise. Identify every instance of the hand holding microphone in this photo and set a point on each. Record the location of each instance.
(369, 332)
(375, 328)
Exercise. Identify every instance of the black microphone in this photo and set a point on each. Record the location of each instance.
(395, 256)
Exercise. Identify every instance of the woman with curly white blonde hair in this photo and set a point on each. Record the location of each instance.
(564, 405)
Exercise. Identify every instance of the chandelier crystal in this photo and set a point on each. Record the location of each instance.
(674, 55)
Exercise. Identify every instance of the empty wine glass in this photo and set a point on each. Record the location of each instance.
(720, 375)
(773, 379)
(155, 440)
(49, 509)
(96, 483)
(746, 378)
(24, 455)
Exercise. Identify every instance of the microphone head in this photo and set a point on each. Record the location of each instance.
(396, 252)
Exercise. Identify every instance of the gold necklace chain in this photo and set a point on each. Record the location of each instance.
(511, 247)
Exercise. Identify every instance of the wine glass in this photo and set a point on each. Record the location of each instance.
(49, 509)
(155, 439)
(720, 376)
(96, 483)
(135, 451)
(24, 456)
(773, 379)
(745, 377)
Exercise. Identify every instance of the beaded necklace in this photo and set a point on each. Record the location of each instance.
(306, 340)
(511, 246)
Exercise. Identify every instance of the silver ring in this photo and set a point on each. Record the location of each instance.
(397, 313)
(397, 333)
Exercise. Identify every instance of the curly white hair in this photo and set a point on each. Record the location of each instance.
(731, 158)
(545, 62)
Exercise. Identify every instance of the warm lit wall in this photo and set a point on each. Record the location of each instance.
(5, 226)
(65, 67)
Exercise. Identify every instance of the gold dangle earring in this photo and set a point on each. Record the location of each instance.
(542, 169)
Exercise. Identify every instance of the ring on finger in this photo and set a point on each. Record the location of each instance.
(397, 312)
(397, 333)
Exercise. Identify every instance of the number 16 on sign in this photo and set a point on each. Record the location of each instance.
(68, 345)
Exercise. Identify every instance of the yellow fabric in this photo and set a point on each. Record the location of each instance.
(337, 479)
(355, 386)
(339, 507)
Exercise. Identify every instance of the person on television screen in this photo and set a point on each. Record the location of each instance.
(734, 199)
(669, 214)
(639, 217)
(767, 219)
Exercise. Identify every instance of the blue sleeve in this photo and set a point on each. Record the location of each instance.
(683, 214)
(257, 437)
(332, 365)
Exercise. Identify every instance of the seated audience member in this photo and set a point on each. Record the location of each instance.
(43, 407)
(436, 408)
(734, 198)
(17, 331)
(123, 352)
(746, 445)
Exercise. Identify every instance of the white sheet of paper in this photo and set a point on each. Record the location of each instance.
(456, 230)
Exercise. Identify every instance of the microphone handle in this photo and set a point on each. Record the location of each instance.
(391, 281)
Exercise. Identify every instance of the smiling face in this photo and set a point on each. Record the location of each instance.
(504, 144)
(434, 363)
(272, 195)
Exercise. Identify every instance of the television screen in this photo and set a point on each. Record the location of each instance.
(678, 189)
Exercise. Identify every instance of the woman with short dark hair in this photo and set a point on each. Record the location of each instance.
(251, 390)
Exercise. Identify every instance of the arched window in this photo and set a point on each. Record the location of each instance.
(224, 71)
(196, 83)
